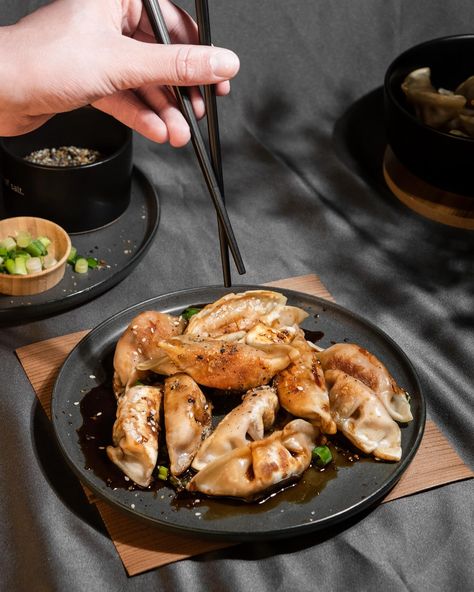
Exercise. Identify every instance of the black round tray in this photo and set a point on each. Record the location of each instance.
(120, 245)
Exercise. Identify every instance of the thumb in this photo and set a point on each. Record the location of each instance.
(135, 63)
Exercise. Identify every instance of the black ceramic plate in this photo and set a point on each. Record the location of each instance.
(120, 244)
(300, 509)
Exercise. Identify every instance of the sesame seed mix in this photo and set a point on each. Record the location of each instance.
(64, 156)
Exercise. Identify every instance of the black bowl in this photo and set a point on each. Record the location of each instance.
(437, 157)
(78, 198)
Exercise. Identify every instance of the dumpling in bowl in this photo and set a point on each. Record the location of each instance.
(233, 315)
(187, 420)
(226, 365)
(245, 423)
(135, 433)
(361, 364)
(249, 471)
(302, 390)
(434, 108)
(362, 418)
(138, 343)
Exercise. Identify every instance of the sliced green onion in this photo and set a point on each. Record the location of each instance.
(20, 267)
(92, 262)
(10, 266)
(21, 253)
(36, 248)
(8, 243)
(72, 255)
(163, 473)
(81, 265)
(321, 456)
(45, 241)
(33, 265)
(49, 261)
(23, 238)
(190, 312)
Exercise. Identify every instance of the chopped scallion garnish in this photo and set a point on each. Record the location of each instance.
(190, 312)
(321, 456)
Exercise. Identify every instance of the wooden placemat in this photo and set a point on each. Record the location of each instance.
(142, 547)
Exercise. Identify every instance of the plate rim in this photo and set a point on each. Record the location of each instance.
(241, 536)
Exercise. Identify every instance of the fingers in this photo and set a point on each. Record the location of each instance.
(128, 108)
(151, 112)
(175, 65)
(163, 103)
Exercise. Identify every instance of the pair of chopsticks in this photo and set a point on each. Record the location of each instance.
(212, 171)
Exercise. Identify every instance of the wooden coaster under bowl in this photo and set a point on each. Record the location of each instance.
(425, 199)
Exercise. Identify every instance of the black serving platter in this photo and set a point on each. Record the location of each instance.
(294, 511)
(121, 245)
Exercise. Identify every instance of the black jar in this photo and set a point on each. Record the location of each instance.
(78, 198)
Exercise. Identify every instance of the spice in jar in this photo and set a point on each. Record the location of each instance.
(64, 156)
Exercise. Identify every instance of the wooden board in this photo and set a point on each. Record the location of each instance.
(142, 547)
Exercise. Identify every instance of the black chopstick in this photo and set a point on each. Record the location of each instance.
(160, 31)
(204, 28)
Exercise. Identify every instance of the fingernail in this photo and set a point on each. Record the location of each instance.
(224, 63)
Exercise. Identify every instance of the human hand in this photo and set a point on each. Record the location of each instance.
(71, 53)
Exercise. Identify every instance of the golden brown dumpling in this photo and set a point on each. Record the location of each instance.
(249, 471)
(362, 418)
(135, 433)
(361, 364)
(245, 423)
(233, 315)
(226, 365)
(139, 343)
(187, 416)
(302, 389)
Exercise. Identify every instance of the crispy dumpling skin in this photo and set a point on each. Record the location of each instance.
(187, 416)
(361, 364)
(226, 366)
(139, 343)
(234, 314)
(302, 390)
(362, 418)
(135, 433)
(245, 423)
(249, 471)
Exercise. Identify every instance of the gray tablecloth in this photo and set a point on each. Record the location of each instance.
(302, 136)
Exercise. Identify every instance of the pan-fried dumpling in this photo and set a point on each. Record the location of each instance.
(234, 314)
(223, 365)
(139, 343)
(135, 433)
(261, 335)
(302, 389)
(245, 423)
(434, 108)
(247, 472)
(362, 418)
(466, 89)
(359, 363)
(187, 420)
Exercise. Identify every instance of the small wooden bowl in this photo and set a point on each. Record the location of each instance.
(34, 283)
